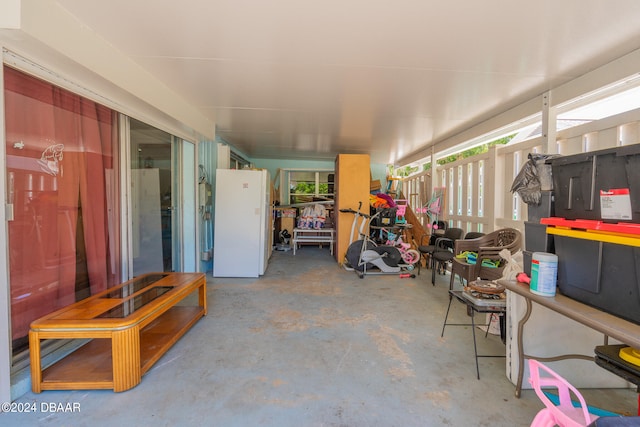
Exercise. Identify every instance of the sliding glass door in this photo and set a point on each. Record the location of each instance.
(62, 199)
(185, 226)
(151, 199)
(162, 200)
(66, 240)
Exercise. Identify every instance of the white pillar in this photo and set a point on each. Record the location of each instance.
(549, 118)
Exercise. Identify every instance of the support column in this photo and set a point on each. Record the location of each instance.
(549, 118)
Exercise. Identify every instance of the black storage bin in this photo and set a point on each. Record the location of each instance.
(386, 217)
(536, 238)
(601, 274)
(578, 180)
(527, 256)
(545, 209)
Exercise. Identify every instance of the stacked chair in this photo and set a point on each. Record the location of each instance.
(443, 250)
(428, 241)
(480, 257)
(441, 244)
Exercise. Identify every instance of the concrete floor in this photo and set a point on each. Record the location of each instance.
(311, 344)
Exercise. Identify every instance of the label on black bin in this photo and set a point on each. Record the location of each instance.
(615, 204)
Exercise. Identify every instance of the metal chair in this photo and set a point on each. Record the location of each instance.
(442, 251)
(428, 240)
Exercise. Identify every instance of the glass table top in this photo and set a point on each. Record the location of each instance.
(135, 285)
(129, 306)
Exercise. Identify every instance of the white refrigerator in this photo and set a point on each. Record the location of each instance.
(243, 223)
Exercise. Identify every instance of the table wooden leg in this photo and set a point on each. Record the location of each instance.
(202, 297)
(125, 352)
(36, 366)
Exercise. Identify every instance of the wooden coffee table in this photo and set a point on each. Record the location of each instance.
(129, 327)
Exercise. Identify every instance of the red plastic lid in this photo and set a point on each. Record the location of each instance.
(589, 224)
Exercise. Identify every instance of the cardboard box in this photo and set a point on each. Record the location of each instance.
(285, 212)
(289, 213)
(287, 223)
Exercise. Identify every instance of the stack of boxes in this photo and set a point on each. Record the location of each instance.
(598, 264)
(591, 221)
(285, 219)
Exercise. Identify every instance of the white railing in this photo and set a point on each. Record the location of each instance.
(417, 190)
(621, 129)
(477, 195)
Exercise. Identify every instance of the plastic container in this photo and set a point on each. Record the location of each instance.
(624, 230)
(526, 259)
(536, 238)
(545, 175)
(544, 274)
(545, 209)
(579, 181)
(386, 217)
(599, 265)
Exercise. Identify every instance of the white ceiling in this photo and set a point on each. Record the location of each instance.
(300, 79)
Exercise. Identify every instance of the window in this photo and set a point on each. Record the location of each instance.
(236, 161)
(607, 101)
(309, 186)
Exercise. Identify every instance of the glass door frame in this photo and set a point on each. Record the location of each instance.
(5, 215)
(184, 193)
(182, 207)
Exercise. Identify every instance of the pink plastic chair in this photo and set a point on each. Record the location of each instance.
(401, 210)
(564, 414)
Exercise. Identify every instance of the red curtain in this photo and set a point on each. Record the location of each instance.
(60, 167)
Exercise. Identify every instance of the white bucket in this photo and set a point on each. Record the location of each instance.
(544, 274)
